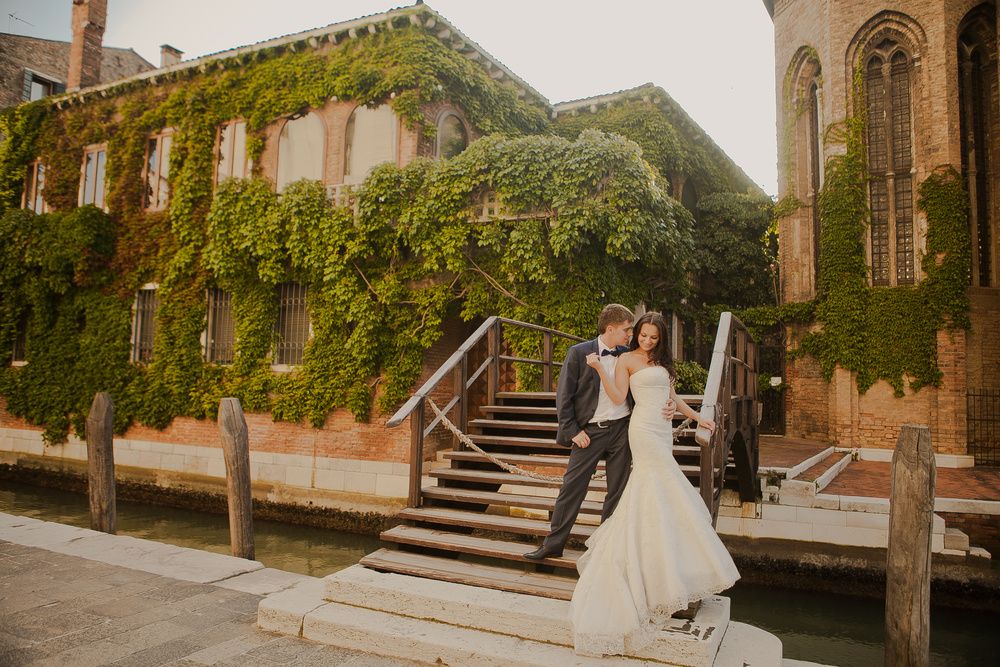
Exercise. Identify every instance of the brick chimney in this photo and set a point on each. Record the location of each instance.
(169, 55)
(89, 17)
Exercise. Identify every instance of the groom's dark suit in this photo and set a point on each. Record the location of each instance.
(576, 403)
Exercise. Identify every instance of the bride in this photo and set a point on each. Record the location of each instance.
(658, 551)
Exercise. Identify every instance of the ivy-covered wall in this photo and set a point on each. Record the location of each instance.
(587, 220)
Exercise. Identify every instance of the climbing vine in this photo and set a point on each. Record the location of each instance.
(384, 270)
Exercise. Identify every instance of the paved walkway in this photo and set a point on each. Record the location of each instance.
(870, 479)
(63, 609)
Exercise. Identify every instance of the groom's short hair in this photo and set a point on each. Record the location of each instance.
(613, 314)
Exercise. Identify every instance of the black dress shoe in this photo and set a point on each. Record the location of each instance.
(543, 552)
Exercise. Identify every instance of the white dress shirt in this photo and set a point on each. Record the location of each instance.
(606, 410)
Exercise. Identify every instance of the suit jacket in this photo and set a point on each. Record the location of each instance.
(577, 391)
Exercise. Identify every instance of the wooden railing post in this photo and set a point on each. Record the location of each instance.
(101, 464)
(493, 375)
(908, 566)
(548, 351)
(236, 451)
(416, 452)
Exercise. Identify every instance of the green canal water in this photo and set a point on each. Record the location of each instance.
(840, 630)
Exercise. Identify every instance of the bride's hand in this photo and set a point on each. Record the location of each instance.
(594, 360)
(707, 424)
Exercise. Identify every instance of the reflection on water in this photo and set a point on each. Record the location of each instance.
(819, 627)
(313, 551)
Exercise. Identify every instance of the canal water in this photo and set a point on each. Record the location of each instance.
(829, 629)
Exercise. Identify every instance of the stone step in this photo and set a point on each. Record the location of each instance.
(956, 540)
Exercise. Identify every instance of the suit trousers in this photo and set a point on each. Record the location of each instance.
(610, 443)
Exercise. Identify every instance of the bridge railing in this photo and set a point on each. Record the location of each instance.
(731, 400)
(466, 373)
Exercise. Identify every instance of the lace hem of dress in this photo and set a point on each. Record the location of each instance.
(638, 638)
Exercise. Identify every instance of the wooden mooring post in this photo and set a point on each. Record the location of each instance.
(101, 464)
(908, 565)
(236, 450)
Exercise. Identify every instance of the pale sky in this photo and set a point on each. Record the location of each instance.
(715, 57)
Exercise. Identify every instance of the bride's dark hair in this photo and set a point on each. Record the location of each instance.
(659, 355)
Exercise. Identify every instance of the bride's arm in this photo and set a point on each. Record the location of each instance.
(689, 412)
(617, 389)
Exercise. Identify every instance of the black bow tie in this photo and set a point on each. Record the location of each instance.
(613, 353)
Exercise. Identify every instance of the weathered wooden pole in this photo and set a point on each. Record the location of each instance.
(236, 450)
(908, 566)
(101, 464)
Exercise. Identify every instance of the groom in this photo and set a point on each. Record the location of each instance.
(593, 426)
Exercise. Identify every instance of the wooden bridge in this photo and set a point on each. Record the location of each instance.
(471, 522)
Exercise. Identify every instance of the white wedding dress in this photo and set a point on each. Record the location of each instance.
(658, 551)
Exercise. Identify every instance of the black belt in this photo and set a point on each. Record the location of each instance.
(606, 423)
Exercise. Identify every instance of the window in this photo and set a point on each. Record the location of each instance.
(144, 324)
(19, 355)
(292, 328)
(157, 168)
(689, 197)
(37, 86)
(220, 328)
(34, 186)
(890, 159)
(814, 180)
(92, 186)
(976, 89)
(371, 140)
(452, 137)
(231, 152)
(301, 149)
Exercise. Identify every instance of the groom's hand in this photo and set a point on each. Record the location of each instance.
(669, 408)
(581, 440)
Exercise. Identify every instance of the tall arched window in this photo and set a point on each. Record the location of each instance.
(813, 177)
(452, 138)
(977, 86)
(689, 197)
(371, 140)
(301, 149)
(887, 76)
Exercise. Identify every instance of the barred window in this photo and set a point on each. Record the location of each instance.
(34, 187)
(157, 191)
(221, 332)
(144, 324)
(370, 141)
(292, 327)
(301, 149)
(452, 137)
(890, 159)
(20, 352)
(231, 152)
(92, 186)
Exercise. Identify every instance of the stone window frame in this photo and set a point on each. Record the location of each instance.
(19, 348)
(908, 39)
(157, 198)
(98, 196)
(443, 114)
(977, 36)
(346, 163)
(236, 171)
(144, 322)
(34, 185)
(805, 113)
(283, 124)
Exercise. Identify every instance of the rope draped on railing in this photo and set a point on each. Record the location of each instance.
(507, 466)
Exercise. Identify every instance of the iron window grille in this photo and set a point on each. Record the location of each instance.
(220, 327)
(292, 326)
(144, 325)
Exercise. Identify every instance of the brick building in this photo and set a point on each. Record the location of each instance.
(31, 68)
(923, 76)
(332, 139)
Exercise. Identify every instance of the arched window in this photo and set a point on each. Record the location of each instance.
(371, 140)
(301, 149)
(977, 86)
(689, 197)
(452, 137)
(887, 75)
(814, 175)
